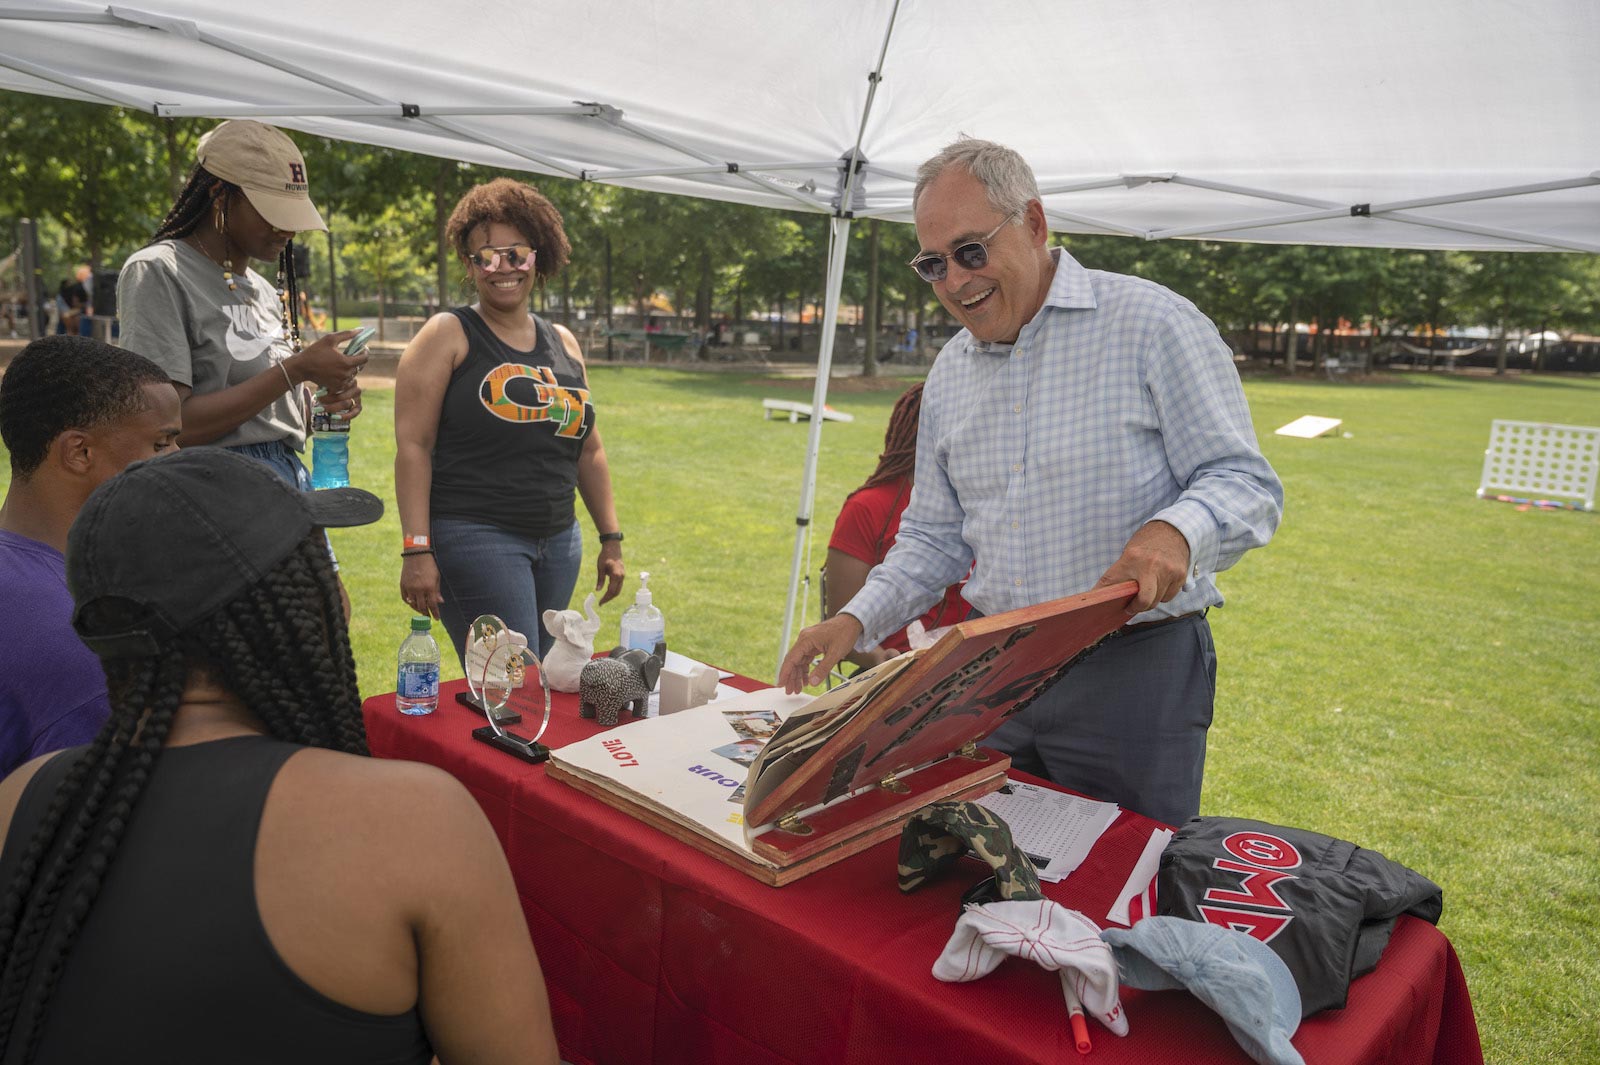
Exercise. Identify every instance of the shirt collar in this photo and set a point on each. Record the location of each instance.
(1070, 289)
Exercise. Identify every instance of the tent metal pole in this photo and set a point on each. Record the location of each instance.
(731, 166)
(1251, 193)
(1250, 223)
(1542, 240)
(382, 110)
(1052, 213)
(667, 142)
(67, 81)
(838, 250)
(244, 52)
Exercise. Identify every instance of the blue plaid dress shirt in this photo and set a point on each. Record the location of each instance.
(1118, 404)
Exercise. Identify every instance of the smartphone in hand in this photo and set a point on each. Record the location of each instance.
(359, 341)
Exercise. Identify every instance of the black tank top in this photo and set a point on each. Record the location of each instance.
(173, 963)
(511, 428)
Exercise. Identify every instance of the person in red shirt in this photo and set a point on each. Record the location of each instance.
(866, 528)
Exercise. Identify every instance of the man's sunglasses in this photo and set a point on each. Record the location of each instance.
(520, 256)
(973, 255)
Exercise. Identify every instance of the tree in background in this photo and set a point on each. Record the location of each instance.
(99, 179)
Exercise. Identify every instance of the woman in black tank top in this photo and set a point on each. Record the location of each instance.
(221, 875)
(495, 430)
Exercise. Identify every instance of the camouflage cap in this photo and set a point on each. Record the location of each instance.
(938, 835)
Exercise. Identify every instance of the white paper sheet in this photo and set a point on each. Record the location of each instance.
(1138, 898)
(1053, 828)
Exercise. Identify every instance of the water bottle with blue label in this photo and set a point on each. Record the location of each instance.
(416, 689)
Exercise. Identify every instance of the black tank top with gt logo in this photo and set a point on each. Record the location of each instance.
(511, 428)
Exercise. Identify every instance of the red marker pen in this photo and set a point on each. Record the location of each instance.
(1080, 1025)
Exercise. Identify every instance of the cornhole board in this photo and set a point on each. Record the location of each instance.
(796, 411)
(1309, 426)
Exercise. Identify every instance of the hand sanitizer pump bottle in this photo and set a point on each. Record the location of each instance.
(642, 624)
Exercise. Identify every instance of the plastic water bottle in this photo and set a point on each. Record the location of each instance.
(416, 688)
(642, 624)
(330, 451)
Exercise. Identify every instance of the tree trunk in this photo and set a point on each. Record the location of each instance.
(333, 277)
(175, 167)
(869, 357)
(441, 215)
(606, 296)
(1292, 346)
(702, 294)
(383, 293)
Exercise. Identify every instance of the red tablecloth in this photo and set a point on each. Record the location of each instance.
(654, 952)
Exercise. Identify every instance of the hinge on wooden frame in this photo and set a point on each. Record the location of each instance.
(793, 825)
(970, 750)
(894, 785)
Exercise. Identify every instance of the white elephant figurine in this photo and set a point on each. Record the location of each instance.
(574, 635)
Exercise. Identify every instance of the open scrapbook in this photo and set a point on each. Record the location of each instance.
(781, 785)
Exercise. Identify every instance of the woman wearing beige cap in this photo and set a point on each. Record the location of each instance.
(228, 338)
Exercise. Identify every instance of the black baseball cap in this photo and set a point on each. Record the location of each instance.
(170, 540)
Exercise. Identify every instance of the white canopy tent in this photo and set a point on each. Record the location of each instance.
(1396, 123)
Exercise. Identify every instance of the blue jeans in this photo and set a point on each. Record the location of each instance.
(286, 464)
(1127, 724)
(281, 457)
(484, 569)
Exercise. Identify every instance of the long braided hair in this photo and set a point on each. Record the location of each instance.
(899, 458)
(200, 196)
(282, 647)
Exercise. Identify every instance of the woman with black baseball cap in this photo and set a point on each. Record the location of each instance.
(190, 302)
(221, 874)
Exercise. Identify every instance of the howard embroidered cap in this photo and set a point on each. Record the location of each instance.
(264, 162)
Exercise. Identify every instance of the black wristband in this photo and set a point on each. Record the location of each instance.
(408, 552)
(607, 538)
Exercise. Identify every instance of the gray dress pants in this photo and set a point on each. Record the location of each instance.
(1128, 723)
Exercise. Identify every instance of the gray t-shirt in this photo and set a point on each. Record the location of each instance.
(176, 310)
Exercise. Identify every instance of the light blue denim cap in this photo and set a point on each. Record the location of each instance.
(1237, 975)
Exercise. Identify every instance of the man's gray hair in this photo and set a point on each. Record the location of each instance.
(1005, 175)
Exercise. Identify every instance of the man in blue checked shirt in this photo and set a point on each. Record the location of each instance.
(1084, 429)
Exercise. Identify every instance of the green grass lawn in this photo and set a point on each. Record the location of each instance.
(1405, 666)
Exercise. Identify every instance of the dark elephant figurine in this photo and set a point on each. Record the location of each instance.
(625, 678)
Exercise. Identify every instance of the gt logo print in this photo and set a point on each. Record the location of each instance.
(516, 393)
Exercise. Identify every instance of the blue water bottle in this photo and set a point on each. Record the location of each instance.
(330, 436)
(330, 451)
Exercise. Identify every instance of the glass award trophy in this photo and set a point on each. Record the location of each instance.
(502, 674)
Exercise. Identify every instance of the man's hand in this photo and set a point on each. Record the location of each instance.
(817, 649)
(1157, 556)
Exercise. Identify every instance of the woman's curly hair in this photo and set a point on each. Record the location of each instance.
(523, 208)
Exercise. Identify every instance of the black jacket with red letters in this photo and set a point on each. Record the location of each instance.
(1324, 905)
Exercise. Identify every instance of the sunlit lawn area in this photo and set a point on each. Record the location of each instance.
(1406, 666)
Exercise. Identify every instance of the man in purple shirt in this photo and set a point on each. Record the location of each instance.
(73, 412)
